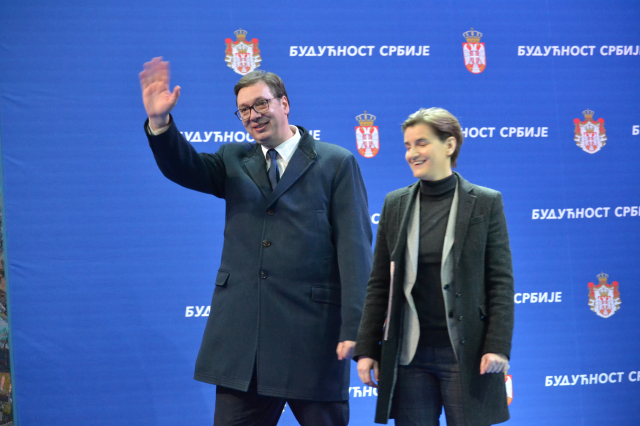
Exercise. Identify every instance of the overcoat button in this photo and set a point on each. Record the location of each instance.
(446, 286)
(450, 314)
(263, 274)
(270, 212)
(462, 341)
(460, 318)
(266, 243)
(458, 295)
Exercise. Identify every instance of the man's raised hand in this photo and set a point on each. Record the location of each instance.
(158, 99)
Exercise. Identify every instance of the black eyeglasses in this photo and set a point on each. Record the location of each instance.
(260, 107)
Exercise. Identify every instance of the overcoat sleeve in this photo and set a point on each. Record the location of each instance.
(182, 164)
(352, 235)
(498, 283)
(371, 331)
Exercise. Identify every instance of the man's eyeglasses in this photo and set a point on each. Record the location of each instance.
(260, 107)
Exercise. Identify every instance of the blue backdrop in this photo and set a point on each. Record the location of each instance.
(111, 267)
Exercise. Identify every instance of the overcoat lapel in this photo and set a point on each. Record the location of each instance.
(256, 167)
(405, 209)
(465, 208)
(302, 159)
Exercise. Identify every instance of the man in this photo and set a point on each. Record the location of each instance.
(295, 262)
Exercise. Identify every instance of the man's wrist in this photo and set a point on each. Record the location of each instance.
(158, 124)
(155, 130)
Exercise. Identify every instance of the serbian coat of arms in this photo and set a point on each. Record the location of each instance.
(604, 298)
(475, 58)
(590, 134)
(508, 382)
(242, 56)
(367, 136)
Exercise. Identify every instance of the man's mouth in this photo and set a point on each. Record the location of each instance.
(259, 126)
(417, 163)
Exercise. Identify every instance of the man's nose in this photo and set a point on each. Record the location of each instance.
(253, 111)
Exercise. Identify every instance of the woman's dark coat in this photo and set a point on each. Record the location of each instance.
(477, 286)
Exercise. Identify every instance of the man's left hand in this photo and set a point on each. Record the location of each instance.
(345, 349)
(494, 363)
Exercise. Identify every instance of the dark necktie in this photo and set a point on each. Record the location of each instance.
(274, 173)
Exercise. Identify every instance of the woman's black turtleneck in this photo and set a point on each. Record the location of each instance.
(435, 205)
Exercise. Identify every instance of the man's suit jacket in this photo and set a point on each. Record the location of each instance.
(294, 267)
(477, 285)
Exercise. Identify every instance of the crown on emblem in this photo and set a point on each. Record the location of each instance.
(588, 114)
(240, 34)
(603, 291)
(366, 119)
(602, 278)
(472, 36)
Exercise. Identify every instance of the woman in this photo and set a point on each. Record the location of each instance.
(438, 317)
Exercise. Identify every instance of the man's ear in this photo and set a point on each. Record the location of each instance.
(285, 104)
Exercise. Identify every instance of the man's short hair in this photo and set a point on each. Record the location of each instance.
(443, 124)
(275, 83)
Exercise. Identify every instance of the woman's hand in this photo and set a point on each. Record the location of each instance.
(490, 363)
(365, 365)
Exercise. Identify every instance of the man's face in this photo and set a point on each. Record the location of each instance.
(272, 127)
(428, 157)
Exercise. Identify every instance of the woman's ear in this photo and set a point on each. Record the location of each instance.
(451, 145)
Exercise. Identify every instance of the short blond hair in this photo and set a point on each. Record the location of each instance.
(443, 124)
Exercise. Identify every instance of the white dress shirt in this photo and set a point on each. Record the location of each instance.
(285, 151)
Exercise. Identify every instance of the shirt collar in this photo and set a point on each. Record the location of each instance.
(286, 148)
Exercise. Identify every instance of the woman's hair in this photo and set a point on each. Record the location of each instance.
(443, 124)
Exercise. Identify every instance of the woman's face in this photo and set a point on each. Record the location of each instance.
(428, 157)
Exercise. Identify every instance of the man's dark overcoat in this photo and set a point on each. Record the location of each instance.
(480, 298)
(294, 267)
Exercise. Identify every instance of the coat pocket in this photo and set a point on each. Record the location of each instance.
(221, 279)
(483, 311)
(323, 294)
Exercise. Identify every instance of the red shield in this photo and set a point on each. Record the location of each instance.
(475, 58)
(604, 298)
(367, 140)
(590, 134)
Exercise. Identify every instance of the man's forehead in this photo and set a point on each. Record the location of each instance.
(248, 95)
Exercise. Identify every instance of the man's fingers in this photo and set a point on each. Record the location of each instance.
(153, 62)
(174, 100)
(340, 348)
(154, 70)
(376, 371)
(345, 348)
